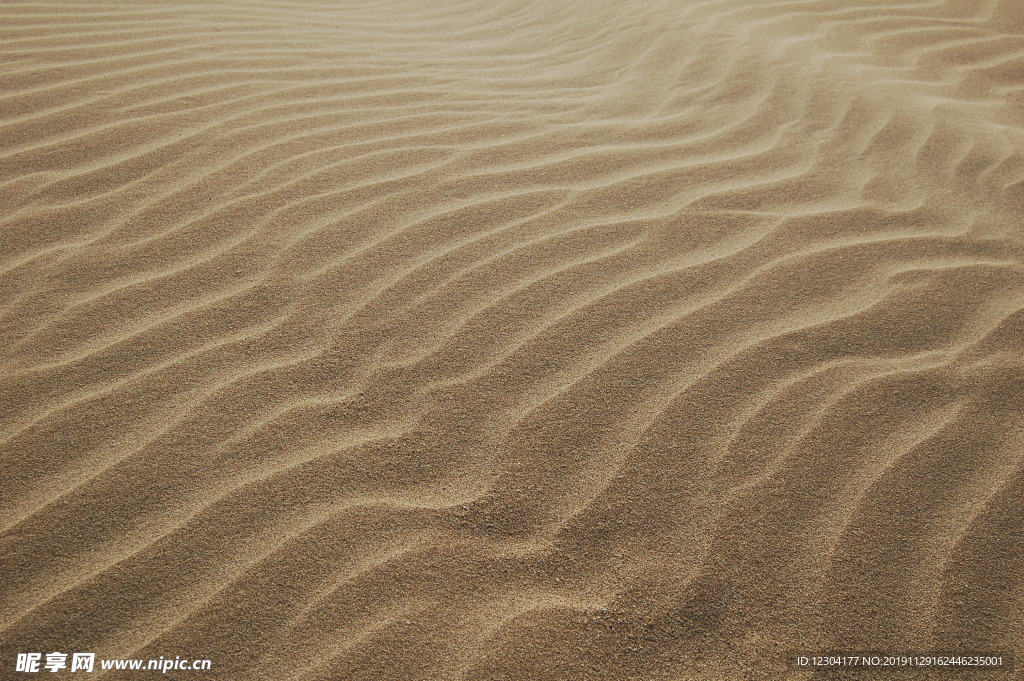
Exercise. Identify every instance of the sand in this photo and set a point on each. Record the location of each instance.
(511, 341)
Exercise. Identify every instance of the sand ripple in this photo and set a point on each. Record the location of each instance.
(513, 340)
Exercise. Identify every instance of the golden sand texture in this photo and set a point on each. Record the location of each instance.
(514, 340)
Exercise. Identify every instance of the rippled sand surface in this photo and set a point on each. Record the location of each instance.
(511, 341)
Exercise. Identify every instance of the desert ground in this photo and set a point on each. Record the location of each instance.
(511, 341)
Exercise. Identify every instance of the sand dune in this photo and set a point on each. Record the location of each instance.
(514, 340)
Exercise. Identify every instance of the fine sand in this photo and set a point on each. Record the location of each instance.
(511, 341)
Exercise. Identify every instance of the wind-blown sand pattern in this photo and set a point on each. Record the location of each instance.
(512, 340)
